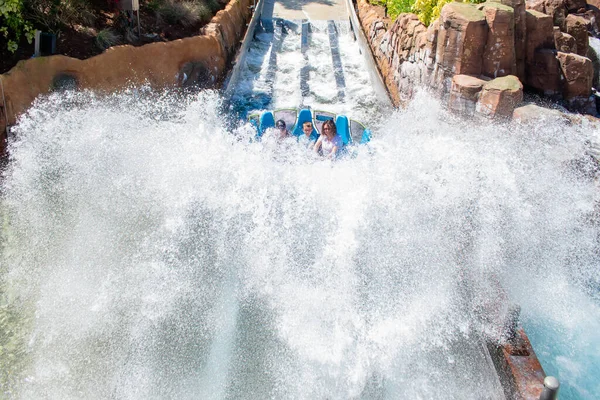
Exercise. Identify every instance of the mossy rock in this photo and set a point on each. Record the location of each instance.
(509, 82)
(467, 11)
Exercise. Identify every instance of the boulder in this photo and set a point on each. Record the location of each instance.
(557, 10)
(573, 6)
(540, 33)
(461, 39)
(543, 73)
(577, 27)
(564, 42)
(499, 53)
(520, 29)
(593, 14)
(534, 114)
(499, 97)
(578, 73)
(464, 93)
(536, 5)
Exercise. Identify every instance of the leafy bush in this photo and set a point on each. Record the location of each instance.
(13, 25)
(107, 38)
(427, 10)
(397, 7)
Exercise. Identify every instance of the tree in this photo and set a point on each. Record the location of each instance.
(13, 25)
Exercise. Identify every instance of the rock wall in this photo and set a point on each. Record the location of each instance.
(200, 60)
(479, 57)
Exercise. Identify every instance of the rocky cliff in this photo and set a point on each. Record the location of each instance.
(480, 56)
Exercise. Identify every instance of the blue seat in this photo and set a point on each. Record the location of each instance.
(267, 120)
(304, 116)
(343, 129)
(366, 137)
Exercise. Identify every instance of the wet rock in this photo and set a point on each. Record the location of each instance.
(543, 73)
(534, 114)
(499, 97)
(557, 10)
(499, 52)
(540, 33)
(578, 73)
(593, 15)
(520, 29)
(464, 93)
(537, 5)
(564, 42)
(461, 39)
(573, 6)
(577, 27)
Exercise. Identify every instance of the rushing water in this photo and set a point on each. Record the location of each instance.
(275, 66)
(150, 253)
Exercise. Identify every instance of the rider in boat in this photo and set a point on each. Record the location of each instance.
(329, 143)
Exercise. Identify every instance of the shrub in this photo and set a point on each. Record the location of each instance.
(185, 13)
(213, 5)
(154, 5)
(397, 7)
(427, 10)
(56, 15)
(181, 13)
(204, 11)
(107, 38)
(13, 25)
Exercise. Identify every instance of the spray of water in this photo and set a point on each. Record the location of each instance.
(149, 252)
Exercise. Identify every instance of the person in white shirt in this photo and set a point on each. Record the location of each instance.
(329, 143)
(306, 138)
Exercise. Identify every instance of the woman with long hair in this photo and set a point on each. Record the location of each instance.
(329, 142)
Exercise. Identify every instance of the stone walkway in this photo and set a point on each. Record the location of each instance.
(306, 9)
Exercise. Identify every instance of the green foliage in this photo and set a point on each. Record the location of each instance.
(154, 5)
(107, 38)
(427, 10)
(397, 7)
(13, 25)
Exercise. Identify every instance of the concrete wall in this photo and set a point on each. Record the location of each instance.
(200, 60)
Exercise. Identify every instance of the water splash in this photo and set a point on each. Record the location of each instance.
(148, 252)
